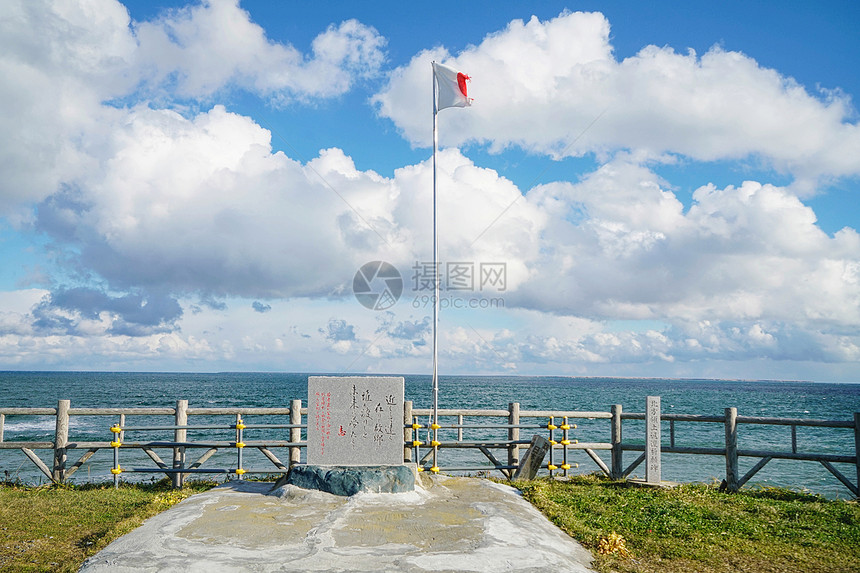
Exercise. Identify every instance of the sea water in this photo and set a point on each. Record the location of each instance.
(704, 397)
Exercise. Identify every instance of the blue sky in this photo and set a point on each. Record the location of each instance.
(640, 189)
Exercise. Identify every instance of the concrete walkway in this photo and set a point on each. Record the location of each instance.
(446, 524)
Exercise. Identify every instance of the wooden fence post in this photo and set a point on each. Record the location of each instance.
(181, 419)
(731, 483)
(617, 471)
(295, 433)
(857, 447)
(513, 433)
(61, 438)
(407, 431)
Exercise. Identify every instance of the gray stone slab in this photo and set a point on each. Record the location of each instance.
(355, 421)
(652, 440)
(350, 480)
(533, 459)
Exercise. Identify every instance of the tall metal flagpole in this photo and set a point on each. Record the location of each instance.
(436, 279)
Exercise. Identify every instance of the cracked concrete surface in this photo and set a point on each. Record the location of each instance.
(446, 524)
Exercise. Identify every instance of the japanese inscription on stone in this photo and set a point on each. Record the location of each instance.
(652, 439)
(355, 421)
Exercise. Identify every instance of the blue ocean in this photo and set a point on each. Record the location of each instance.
(704, 397)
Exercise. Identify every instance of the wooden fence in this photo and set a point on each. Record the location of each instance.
(62, 446)
(513, 423)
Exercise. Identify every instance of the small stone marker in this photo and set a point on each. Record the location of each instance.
(355, 421)
(652, 440)
(533, 459)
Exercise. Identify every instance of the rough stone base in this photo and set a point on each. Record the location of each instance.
(349, 480)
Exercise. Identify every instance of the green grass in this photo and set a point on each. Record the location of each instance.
(691, 528)
(55, 528)
(696, 528)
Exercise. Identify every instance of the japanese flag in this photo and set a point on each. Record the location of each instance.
(450, 87)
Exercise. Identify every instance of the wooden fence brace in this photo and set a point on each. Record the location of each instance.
(87, 455)
(202, 459)
(615, 438)
(761, 463)
(633, 466)
(61, 439)
(600, 463)
(489, 455)
(838, 475)
(425, 457)
(407, 431)
(513, 433)
(272, 458)
(159, 462)
(180, 435)
(731, 482)
(39, 463)
(295, 432)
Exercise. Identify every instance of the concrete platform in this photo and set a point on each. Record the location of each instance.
(446, 524)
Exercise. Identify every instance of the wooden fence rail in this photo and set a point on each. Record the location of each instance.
(60, 470)
(512, 421)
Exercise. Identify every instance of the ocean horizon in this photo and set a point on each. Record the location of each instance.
(700, 396)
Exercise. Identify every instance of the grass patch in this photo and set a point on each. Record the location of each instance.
(691, 528)
(694, 527)
(55, 528)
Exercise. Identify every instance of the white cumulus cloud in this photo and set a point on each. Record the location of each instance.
(201, 49)
(541, 84)
(71, 69)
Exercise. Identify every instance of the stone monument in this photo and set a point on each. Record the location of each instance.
(355, 437)
(652, 440)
